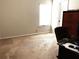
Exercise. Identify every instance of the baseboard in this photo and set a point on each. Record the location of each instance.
(24, 35)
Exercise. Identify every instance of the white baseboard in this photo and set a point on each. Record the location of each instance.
(24, 35)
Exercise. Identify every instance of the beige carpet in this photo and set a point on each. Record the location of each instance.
(43, 46)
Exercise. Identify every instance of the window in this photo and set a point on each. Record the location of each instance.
(44, 14)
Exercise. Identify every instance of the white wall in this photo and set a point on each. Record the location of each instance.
(19, 17)
(73, 4)
(0, 19)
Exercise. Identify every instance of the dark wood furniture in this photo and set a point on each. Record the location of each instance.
(71, 23)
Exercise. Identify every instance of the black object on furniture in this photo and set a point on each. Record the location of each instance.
(65, 52)
(61, 34)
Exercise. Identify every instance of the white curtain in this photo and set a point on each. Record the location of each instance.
(51, 13)
(58, 7)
